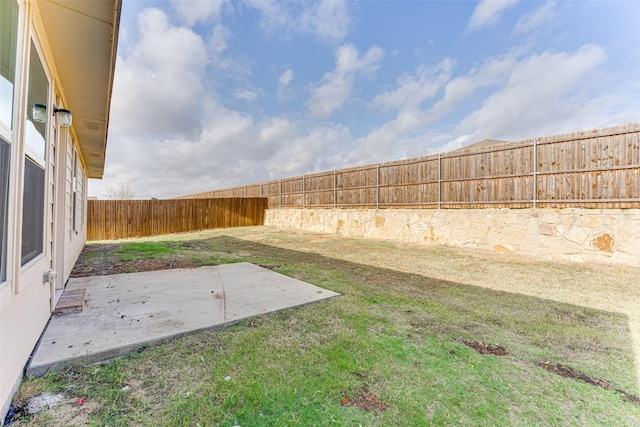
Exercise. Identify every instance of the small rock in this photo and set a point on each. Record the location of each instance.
(125, 388)
(227, 378)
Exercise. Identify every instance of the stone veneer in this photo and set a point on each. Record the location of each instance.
(582, 235)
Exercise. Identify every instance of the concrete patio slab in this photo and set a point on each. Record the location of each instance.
(127, 311)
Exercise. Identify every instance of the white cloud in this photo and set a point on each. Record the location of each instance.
(538, 94)
(274, 14)
(274, 130)
(389, 140)
(218, 41)
(413, 90)
(245, 94)
(158, 86)
(535, 95)
(328, 19)
(284, 91)
(217, 47)
(325, 19)
(193, 11)
(410, 133)
(535, 19)
(455, 144)
(286, 77)
(306, 152)
(488, 13)
(233, 149)
(492, 72)
(335, 87)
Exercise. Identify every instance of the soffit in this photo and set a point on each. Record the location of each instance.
(83, 38)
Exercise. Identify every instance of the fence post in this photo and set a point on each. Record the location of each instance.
(535, 171)
(280, 194)
(335, 192)
(439, 179)
(304, 196)
(377, 185)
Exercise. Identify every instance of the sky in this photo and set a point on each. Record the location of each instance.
(216, 94)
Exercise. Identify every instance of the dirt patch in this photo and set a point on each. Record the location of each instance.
(98, 260)
(366, 401)
(483, 348)
(567, 372)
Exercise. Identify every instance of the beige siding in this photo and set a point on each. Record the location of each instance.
(23, 319)
(76, 238)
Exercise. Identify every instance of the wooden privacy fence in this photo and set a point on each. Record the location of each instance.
(118, 219)
(591, 169)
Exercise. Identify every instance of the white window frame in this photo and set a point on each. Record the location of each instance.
(11, 132)
(27, 154)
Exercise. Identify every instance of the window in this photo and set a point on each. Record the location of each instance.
(8, 47)
(37, 99)
(5, 150)
(35, 152)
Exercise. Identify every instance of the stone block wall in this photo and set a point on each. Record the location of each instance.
(581, 235)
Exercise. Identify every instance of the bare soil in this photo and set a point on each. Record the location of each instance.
(99, 260)
(483, 348)
(366, 401)
(568, 372)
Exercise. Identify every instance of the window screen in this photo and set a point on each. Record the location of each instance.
(33, 211)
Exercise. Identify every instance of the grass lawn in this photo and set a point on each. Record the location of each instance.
(390, 351)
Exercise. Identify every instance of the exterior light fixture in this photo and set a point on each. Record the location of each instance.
(63, 116)
(39, 113)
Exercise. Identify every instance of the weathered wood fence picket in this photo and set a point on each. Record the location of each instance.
(119, 219)
(588, 169)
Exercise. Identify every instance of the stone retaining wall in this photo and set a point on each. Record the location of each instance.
(582, 235)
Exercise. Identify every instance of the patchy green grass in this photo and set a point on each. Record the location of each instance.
(394, 335)
(147, 250)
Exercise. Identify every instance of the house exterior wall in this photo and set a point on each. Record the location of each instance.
(608, 236)
(25, 301)
(74, 235)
